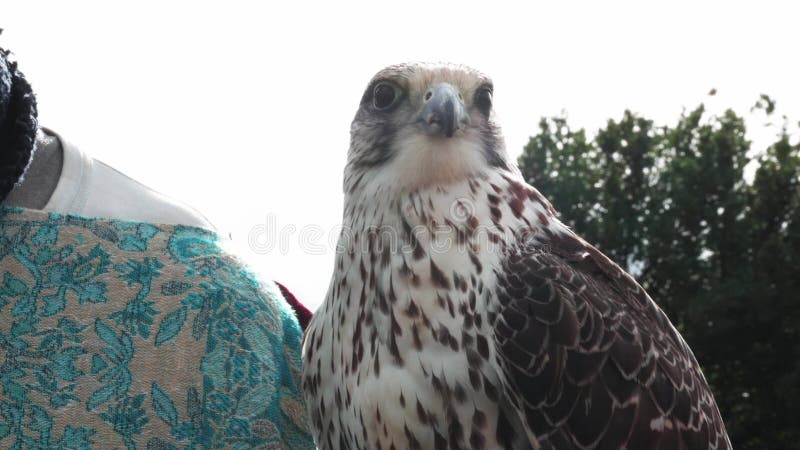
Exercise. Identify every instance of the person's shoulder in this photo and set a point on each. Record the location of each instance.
(90, 187)
(133, 200)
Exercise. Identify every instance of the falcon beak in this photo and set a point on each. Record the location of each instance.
(443, 111)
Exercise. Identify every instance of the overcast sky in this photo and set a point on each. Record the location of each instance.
(242, 109)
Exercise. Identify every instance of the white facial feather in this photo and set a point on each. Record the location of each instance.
(421, 161)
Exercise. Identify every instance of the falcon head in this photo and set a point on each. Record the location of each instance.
(421, 125)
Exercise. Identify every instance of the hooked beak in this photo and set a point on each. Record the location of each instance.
(443, 111)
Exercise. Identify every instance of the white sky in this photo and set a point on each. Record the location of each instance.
(242, 109)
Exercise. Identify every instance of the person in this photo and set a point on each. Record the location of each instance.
(60, 177)
(124, 322)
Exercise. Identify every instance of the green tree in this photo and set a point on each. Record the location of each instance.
(719, 254)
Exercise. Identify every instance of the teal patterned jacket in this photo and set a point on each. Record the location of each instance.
(139, 336)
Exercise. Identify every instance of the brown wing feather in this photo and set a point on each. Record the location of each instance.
(590, 361)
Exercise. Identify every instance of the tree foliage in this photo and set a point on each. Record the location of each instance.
(718, 251)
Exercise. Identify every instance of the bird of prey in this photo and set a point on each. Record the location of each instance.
(463, 314)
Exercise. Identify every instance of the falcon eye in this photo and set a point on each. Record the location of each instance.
(385, 95)
(483, 99)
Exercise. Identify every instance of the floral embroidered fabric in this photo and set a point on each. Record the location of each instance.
(133, 335)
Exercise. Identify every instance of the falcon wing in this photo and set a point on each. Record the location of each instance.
(590, 361)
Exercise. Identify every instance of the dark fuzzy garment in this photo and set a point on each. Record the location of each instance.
(18, 124)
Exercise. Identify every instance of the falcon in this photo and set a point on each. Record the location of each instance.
(463, 314)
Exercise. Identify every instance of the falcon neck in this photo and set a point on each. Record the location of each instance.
(481, 212)
(387, 206)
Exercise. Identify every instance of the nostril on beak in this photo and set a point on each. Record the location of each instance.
(442, 111)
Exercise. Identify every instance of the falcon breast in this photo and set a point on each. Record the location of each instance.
(463, 314)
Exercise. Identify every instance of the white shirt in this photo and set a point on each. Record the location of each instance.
(88, 187)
